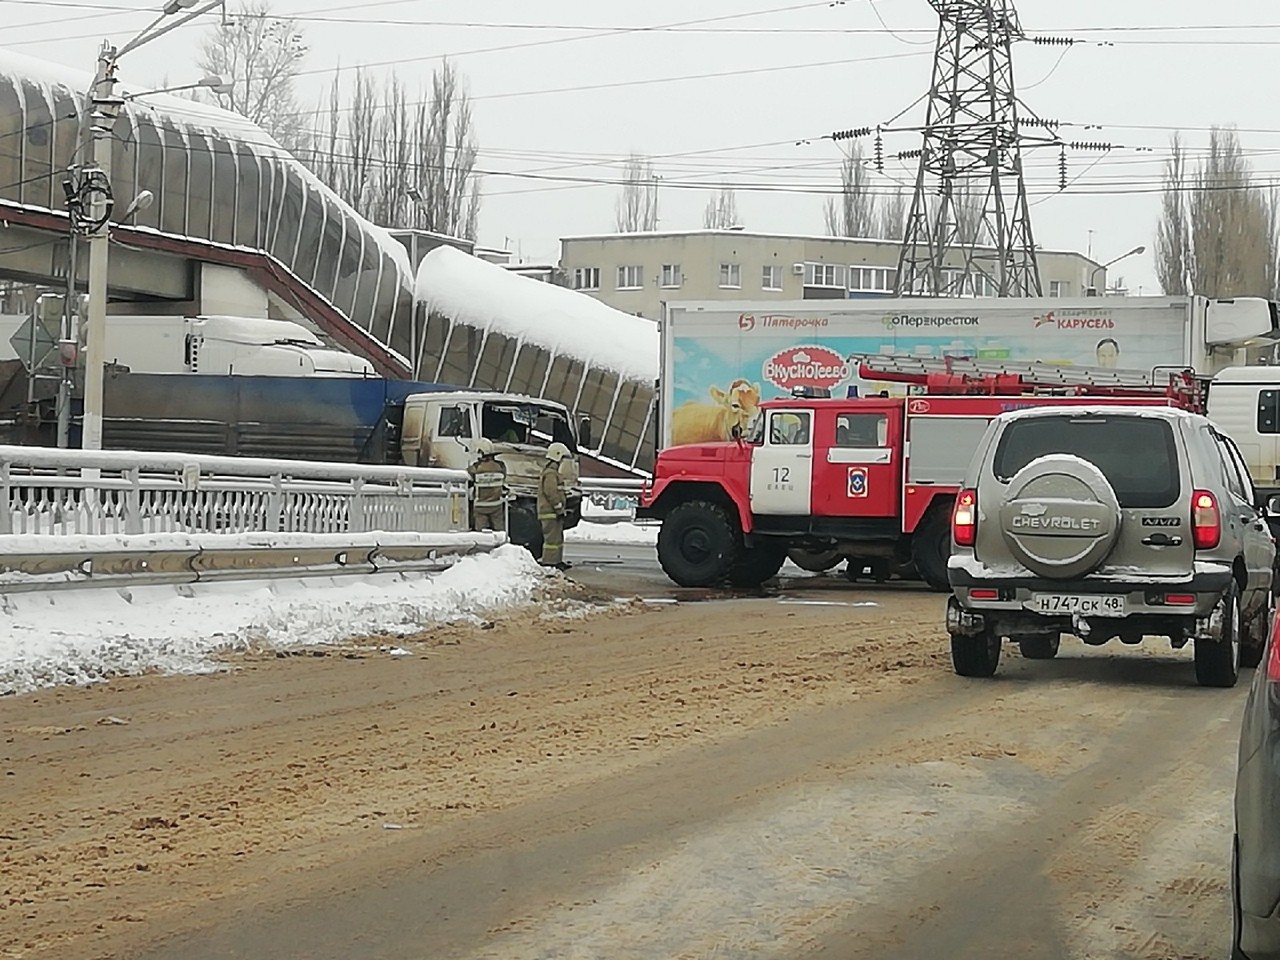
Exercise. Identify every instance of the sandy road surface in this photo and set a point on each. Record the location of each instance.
(764, 777)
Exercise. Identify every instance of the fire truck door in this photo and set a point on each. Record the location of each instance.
(782, 467)
(856, 475)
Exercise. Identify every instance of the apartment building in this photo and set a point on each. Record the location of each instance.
(638, 272)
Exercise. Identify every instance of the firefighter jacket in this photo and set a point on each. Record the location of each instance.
(550, 493)
(488, 482)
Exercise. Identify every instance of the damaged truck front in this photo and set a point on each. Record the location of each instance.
(442, 430)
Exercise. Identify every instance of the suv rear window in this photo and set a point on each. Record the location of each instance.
(1136, 454)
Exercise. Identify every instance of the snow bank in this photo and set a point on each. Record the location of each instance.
(85, 636)
(625, 532)
(469, 290)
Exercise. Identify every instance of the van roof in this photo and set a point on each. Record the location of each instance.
(1256, 374)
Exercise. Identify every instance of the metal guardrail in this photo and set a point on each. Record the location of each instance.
(77, 492)
(621, 486)
(75, 518)
(36, 563)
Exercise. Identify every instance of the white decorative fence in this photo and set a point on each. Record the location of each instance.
(72, 517)
(75, 492)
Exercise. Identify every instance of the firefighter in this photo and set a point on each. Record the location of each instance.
(551, 507)
(488, 489)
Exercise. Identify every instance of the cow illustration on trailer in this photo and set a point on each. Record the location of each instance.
(737, 407)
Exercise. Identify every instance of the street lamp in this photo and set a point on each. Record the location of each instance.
(105, 107)
(1092, 291)
(212, 82)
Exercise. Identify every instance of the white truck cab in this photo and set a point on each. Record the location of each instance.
(226, 346)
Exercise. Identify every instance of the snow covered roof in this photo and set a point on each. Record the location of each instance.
(469, 290)
(253, 330)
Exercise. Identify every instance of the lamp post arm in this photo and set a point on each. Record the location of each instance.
(147, 35)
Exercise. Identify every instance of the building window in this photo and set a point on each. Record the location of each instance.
(1057, 288)
(873, 279)
(980, 285)
(671, 276)
(771, 277)
(823, 275)
(731, 276)
(586, 278)
(630, 278)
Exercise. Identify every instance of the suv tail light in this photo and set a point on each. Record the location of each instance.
(964, 519)
(1206, 520)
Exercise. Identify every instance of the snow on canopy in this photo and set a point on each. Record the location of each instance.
(469, 290)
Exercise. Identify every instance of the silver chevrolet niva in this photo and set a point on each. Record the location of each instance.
(1109, 522)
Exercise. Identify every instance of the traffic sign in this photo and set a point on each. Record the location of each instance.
(45, 348)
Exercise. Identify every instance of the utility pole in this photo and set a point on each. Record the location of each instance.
(105, 107)
(95, 183)
(972, 153)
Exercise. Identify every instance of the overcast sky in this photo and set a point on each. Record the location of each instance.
(580, 87)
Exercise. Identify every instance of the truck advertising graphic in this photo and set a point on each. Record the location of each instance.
(721, 359)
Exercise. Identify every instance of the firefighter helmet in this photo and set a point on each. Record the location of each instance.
(557, 452)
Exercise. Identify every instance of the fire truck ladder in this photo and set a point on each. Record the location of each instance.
(965, 375)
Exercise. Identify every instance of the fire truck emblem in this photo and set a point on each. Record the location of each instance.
(918, 406)
(858, 486)
(806, 366)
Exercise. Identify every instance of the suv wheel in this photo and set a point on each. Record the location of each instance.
(976, 656)
(698, 544)
(1218, 661)
(1039, 648)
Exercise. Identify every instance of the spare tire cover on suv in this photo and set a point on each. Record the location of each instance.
(1060, 517)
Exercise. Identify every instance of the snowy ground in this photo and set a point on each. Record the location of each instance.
(624, 532)
(83, 636)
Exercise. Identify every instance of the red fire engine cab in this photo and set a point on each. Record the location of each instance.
(870, 480)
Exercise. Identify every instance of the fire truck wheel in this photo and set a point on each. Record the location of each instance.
(755, 565)
(931, 549)
(698, 544)
(525, 530)
(975, 656)
(1039, 648)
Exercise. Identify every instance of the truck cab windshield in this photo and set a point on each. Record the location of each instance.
(527, 423)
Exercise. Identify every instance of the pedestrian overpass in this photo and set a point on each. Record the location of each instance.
(238, 226)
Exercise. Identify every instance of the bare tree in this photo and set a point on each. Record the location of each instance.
(1231, 224)
(636, 208)
(258, 56)
(721, 211)
(403, 163)
(1173, 232)
(969, 207)
(853, 212)
(892, 218)
(446, 158)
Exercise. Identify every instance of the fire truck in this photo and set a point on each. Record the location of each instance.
(869, 480)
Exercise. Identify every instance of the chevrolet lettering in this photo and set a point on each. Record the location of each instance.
(1081, 524)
